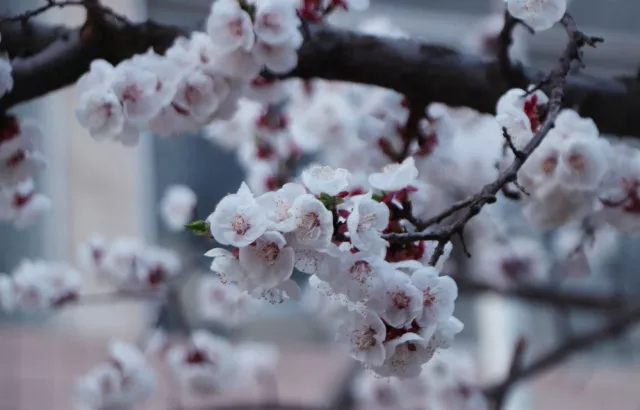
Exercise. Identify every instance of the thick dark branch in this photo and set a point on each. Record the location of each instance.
(612, 329)
(52, 65)
(427, 72)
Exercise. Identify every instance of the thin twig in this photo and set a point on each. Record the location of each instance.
(512, 147)
(24, 17)
(514, 368)
(557, 79)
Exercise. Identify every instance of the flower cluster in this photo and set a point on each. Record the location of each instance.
(331, 229)
(199, 79)
(568, 172)
(123, 381)
(21, 159)
(37, 285)
(208, 363)
(127, 264)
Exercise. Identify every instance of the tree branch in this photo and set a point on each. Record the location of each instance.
(556, 80)
(546, 295)
(612, 329)
(415, 69)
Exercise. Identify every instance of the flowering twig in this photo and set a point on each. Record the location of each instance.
(557, 80)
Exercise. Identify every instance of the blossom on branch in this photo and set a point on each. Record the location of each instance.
(537, 14)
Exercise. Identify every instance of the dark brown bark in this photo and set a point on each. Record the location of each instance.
(55, 56)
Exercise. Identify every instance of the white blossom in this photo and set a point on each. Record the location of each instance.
(204, 365)
(439, 294)
(445, 333)
(278, 205)
(21, 155)
(100, 75)
(570, 124)
(22, 204)
(364, 334)
(226, 265)
(366, 222)
(402, 301)
(135, 88)
(38, 284)
(154, 266)
(395, 177)
(177, 206)
(268, 261)
(222, 303)
(279, 58)
(238, 219)
(358, 276)
(405, 356)
(100, 112)
(583, 163)
(276, 21)
(229, 26)
(123, 382)
(537, 14)
(324, 179)
(313, 223)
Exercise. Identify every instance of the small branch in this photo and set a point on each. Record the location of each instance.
(545, 295)
(610, 330)
(514, 368)
(557, 80)
(24, 17)
(512, 147)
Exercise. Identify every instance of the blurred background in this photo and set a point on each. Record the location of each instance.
(115, 190)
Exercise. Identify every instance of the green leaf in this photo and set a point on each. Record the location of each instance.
(377, 197)
(200, 228)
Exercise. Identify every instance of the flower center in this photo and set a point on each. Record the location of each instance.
(270, 252)
(240, 225)
(360, 271)
(309, 221)
(549, 165)
(429, 297)
(16, 158)
(400, 300)
(235, 27)
(364, 338)
(577, 162)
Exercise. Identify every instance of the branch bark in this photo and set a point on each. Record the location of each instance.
(421, 71)
(546, 295)
(612, 329)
